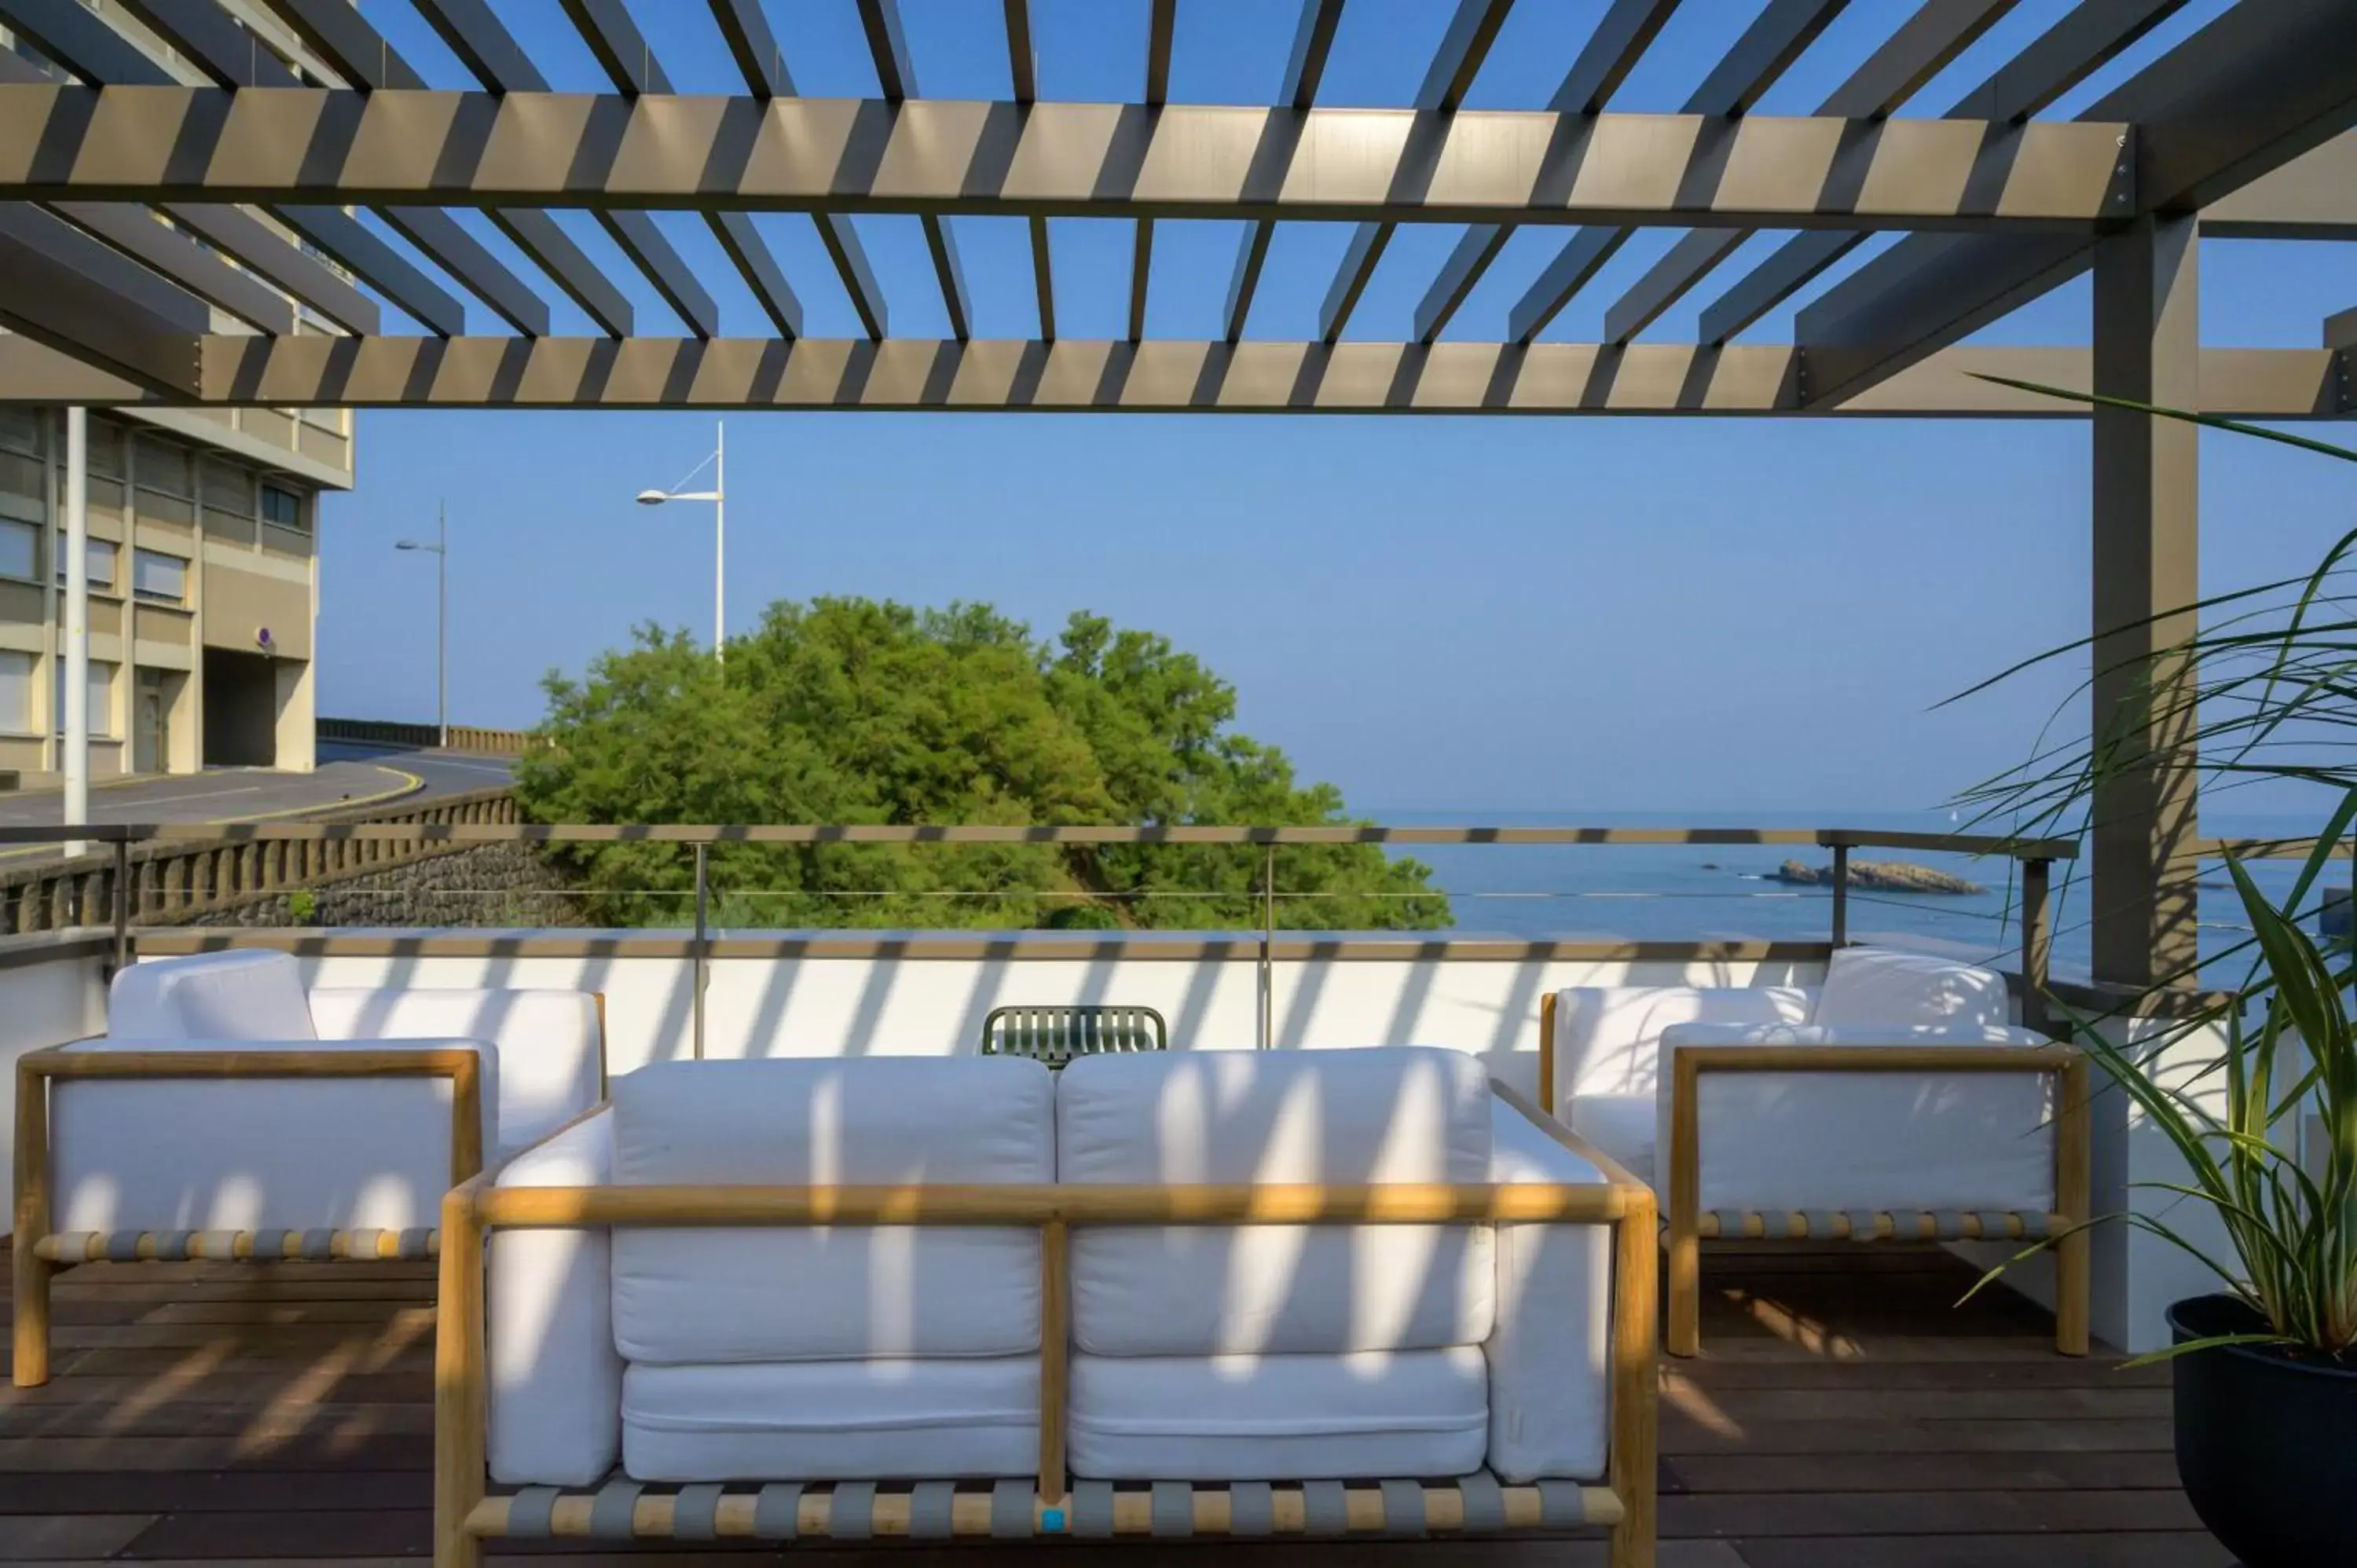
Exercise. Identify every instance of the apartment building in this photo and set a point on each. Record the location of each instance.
(203, 523)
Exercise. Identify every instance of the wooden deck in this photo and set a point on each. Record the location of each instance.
(1843, 1414)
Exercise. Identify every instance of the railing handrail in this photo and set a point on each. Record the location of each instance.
(2038, 849)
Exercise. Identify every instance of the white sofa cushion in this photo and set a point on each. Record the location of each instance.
(548, 1041)
(832, 1421)
(1226, 1418)
(1549, 1355)
(243, 995)
(252, 1154)
(1880, 986)
(1389, 1114)
(716, 1295)
(1969, 1142)
(1608, 1045)
(555, 1379)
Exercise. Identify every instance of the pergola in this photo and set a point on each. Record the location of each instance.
(2243, 129)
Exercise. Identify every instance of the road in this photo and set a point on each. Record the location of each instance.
(347, 776)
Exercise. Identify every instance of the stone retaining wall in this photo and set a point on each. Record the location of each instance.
(483, 884)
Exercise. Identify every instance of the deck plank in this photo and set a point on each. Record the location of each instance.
(1846, 1413)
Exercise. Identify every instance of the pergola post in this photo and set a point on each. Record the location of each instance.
(2146, 568)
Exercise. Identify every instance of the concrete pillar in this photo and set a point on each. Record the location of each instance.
(2146, 534)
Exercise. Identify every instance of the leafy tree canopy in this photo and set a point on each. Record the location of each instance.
(849, 710)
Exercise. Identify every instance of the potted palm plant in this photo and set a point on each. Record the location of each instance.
(2265, 1369)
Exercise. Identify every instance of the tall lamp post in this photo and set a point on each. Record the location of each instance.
(717, 494)
(440, 550)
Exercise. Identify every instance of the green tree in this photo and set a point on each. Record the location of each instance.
(852, 712)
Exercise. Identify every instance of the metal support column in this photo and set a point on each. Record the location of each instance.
(703, 943)
(122, 912)
(2146, 569)
(2037, 942)
(1841, 894)
(1268, 948)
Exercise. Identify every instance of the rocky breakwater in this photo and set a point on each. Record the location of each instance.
(1878, 876)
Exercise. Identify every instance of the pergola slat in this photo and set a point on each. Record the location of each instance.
(1777, 37)
(482, 43)
(2249, 93)
(201, 31)
(72, 35)
(1313, 40)
(1165, 376)
(1458, 60)
(2086, 40)
(466, 259)
(1622, 37)
(136, 231)
(539, 236)
(621, 49)
(896, 73)
(340, 236)
(759, 269)
(1921, 47)
(745, 30)
(263, 251)
(1022, 57)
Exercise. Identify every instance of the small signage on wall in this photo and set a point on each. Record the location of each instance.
(263, 640)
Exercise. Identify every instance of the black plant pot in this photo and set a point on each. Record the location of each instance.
(2266, 1443)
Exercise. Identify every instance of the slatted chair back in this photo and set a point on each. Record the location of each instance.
(1057, 1035)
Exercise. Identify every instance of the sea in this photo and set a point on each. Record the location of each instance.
(1711, 892)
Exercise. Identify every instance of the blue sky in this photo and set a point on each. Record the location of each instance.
(1524, 614)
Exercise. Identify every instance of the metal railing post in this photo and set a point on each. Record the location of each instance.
(1841, 894)
(122, 904)
(1268, 948)
(703, 945)
(2037, 942)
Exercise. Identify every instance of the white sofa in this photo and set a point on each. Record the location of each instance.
(226, 1114)
(1815, 1111)
(1235, 1357)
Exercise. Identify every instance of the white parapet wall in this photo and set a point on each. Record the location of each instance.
(52, 991)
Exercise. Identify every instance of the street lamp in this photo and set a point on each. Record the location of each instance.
(440, 550)
(717, 496)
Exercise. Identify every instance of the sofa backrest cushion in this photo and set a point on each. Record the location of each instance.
(244, 994)
(1606, 1035)
(710, 1295)
(550, 1058)
(1337, 1117)
(1879, 985)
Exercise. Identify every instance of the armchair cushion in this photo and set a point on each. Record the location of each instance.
(728, 1295)
(1773, 1142)
(943, 1419)
(256, 1154)
(549, 1045)
(555, 1379)
(242, 994)
(1876, 986)
(1225, 1418)
(1389, 1114)
(1550, 1354)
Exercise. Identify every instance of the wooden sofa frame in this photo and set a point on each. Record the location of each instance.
(466, 1513)
(1685, 1226)
(39, 1252)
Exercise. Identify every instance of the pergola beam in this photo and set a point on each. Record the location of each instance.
(1921, 47)
(182, 144)
(2314, 196)
(1162, 376)
(2256, 89)
(1777, 37)
(2341, 332)
(60, 287)
(1313, 40)
(1620, 39)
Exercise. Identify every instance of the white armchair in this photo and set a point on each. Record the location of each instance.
(226, 1115)
(1444, 1285)
(1895, 1101)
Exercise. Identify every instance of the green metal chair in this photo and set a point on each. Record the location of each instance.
(1057, 1035)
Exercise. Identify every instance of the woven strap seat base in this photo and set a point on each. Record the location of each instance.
(1013, 1509)
(69, 1247)
(1874, 1225)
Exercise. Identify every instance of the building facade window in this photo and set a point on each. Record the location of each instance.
(159, 578)
(282, 508)
(101, 697)
(20, 550)
(102, 564)
(17, 692)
